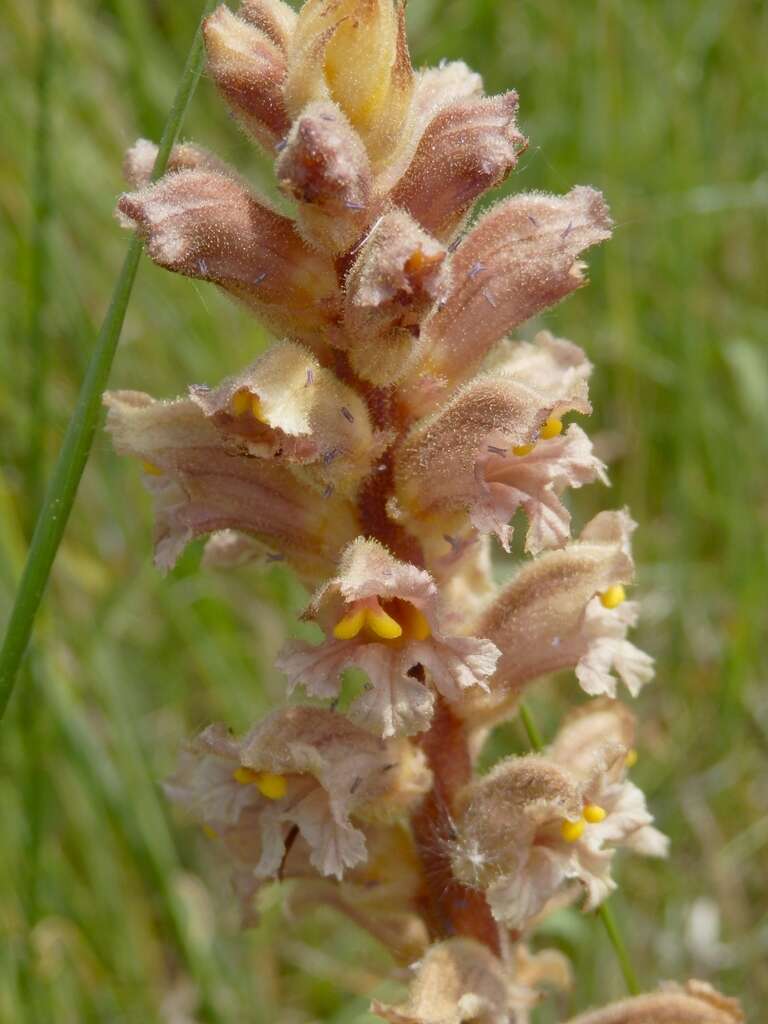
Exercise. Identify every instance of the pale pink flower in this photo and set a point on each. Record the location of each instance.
(302, 770)
(203, 485)
(566, 610)
(383, 616)
(535, 823)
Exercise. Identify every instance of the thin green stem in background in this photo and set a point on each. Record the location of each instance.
(78, 440)
(534, 736)
(39, 264)
(604, 912)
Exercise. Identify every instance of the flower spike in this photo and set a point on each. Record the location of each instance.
(392, 434)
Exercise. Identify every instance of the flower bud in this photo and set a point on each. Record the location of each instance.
(396, 278)
(520, 258)
(249, 69)
(354, 52)
(325, 167)
(696, 1002)
(467, 148)
(140, 159)
(208, 225)
(458, 981)
(272, 17)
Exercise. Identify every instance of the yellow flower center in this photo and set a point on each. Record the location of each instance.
(631, 759)
(593, 814)
(613, 596)
(398, 619)
(269, 784)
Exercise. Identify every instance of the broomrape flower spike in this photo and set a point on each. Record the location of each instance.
(391, 431)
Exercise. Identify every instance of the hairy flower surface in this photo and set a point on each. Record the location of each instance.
(535, 823)
(382, 448)
(382, 615)
(301, 767)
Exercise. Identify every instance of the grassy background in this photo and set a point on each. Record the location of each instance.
(111, 910)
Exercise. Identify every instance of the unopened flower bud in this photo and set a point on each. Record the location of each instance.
(520, 258)
(457, 982)
(467, 148)
(397, 277)
(273, 17)
(249, 69)
(140, 159)
(696, 1002)
(354, 52)
(325, 167)
(208, 225)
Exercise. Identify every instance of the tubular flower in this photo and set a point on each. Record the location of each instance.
(567, 609)
(301, 769)
(568, 811)
(380, 448)
(499, 445)
(202, 485)
(382, 615)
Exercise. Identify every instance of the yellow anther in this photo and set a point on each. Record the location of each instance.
(594, 813)
(382, 624)
(257, 410)
(524, 449)
(631, 759)
(552, 428)
(270, 785)
(209, 832)
(350, 625)
(613, 596)
(572, 830)
(241, 402)
(151, 469)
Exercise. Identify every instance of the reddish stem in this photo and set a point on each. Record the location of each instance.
(449, 907)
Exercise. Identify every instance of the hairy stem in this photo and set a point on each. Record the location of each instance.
(78, 440)
(449, 907)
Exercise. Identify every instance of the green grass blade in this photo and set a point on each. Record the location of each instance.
(78, 440)
(39, 271)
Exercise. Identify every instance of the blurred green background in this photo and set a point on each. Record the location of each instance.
(111, 909)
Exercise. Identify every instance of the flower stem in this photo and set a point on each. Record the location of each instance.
(78, 440)
(534, 736)
(604, 912)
